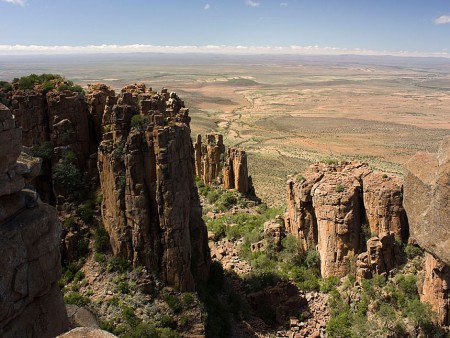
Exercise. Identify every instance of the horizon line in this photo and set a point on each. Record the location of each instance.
(18, 49)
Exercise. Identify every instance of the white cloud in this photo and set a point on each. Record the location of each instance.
(208, 49)
(252, 3)
(21, 3)
(283, 4)
(442, 20)
(207, 6)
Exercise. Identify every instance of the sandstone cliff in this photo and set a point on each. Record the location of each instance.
(209, 157)
(31, 303)
(427, 191)
(150, 204)
(330, 205)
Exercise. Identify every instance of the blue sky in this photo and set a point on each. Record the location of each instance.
(368, 25)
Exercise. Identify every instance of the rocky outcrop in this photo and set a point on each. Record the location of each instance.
(436, 288)
(150, 205)
(60, 122)
(31, 303)
(209, 157)
(30, 110)
(382, 256)
(329, 204)
(427, 191)
(235, 172)
(96, 97)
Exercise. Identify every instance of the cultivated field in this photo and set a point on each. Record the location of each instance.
(287, 111)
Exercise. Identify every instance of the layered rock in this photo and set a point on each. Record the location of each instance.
(382, 256)
(31, 303)
(328, 205)
(96, 96)
(63, 122)
(427, 191)
(150, 204)
(436, 288)
(235, 172)
(209, 157)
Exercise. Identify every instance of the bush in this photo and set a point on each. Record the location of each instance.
(123, 287)
(43, 150)
(129, 316)
(101, 240)
(86, 210)
(167, 321)
(119, 264)
(5, 86)
(139, 122)
(340, 188)
(328, 284)
(312, 259)
(413, 251)
(174, 303)
(226, 201)
(69, 177)
(77, 299)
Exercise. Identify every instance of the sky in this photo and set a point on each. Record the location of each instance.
(397, 27)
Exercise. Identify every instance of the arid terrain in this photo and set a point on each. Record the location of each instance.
(286, 111)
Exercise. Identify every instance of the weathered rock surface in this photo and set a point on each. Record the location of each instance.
(328, 205)
(150, 205)
(209, 157)
(235, 172)
(31, 302)
(96, 96)
(436, 288)
(382, 256)
(427, 191)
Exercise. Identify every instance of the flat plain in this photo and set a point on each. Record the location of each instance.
(286, 111)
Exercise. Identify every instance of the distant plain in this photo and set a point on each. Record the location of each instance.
(285, 111)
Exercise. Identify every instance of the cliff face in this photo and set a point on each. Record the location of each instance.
(329, 205)
(212, 161)
(150, 204)
(209, 157)
(427, 191)
(31, 303)
(63, 122)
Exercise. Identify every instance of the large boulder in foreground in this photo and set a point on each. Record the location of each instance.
(426, 200)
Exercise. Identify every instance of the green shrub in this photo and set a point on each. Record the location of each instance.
(101, 240)
(339, 188)
(43, 150)
(139, 122)
(174, 303)
(188, 299)
(328, 284)
(129, 316)
(79, 276)
(123, 287)
(69, 177)
(68, 222)
(413, 251)
(312, 259)
(213, 195)
(86, 210)
(168, 321)
(5, 86)
(226, 201)
(119, 264)
(77, 299)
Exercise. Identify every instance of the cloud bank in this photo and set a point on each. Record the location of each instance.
(206, 7)
(208, 49)
(21, 3)
(443, 19)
